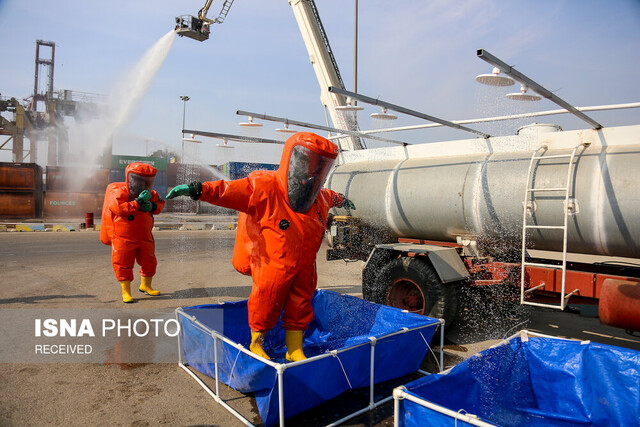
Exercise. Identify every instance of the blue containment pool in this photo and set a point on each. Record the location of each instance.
(351, 343)
(529, 380)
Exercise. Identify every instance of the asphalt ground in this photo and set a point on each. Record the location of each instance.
(72, 271)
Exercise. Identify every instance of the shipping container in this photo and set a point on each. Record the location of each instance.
(237, 170)
(20, 176)
(20, 191)
(63, 204)
(117, 175)
(121, 162)
(20, 205)
(160, 181)
(161, 189)
(75, 179)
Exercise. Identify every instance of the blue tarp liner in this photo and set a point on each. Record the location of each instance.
(539, 382)
(340, 322)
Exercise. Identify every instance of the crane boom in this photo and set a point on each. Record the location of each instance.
(202, 13)
(325, 67)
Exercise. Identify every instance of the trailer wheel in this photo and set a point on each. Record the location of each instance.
(412, 284)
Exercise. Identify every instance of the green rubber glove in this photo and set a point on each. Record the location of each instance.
(179, 190)
(193, 190)
(146, 206)
(348, 204)
(145, 196)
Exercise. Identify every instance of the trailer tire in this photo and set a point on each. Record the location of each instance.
(412, 284)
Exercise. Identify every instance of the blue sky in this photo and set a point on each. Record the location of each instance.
(414, 53)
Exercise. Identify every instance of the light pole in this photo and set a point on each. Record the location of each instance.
(184, 99)
(355, 52)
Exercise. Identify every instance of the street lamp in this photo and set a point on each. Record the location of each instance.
(184, 99)
(355, 52)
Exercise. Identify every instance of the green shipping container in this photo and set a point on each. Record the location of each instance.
(121, 162)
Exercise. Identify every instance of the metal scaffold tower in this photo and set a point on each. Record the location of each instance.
(33, 121)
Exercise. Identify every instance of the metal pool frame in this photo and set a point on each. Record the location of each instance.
(401, 393)
(281, 367)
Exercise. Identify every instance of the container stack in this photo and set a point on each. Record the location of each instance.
(72, 192)
(20, 190)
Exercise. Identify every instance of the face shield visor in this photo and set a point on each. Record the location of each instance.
(139, 183)
(305, 176)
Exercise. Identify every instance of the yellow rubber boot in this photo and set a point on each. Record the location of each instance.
(294, 346)
(145, 286)
(126, 292)
(257, 341)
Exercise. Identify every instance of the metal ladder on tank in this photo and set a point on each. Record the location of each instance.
(528, 205)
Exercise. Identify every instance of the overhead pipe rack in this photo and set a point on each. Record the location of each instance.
(510, 117)
(545, 93)
(229, 137)
(318, 127)
(404, 110)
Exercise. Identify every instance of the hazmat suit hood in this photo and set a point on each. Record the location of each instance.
(306, 161)
(139, 177)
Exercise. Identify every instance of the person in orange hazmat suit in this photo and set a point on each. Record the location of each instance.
(127, 221)
(282, 221)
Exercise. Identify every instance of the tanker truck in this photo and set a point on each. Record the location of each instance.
(434, 219)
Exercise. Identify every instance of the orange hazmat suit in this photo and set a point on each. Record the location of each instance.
(280, 229)
(126, 227)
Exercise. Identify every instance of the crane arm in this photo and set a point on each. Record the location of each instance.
(202, 13)
(325, 67)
